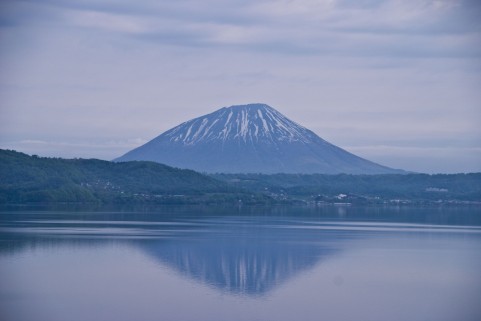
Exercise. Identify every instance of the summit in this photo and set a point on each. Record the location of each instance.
(253, 138)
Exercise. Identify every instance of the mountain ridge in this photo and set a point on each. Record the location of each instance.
(252, 138)
(42, 180)
(27, 179)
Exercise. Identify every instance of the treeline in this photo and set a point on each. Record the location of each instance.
(25, 179)
(413, 187)
(33, 179)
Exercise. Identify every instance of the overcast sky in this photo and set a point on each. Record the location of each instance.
(396, 81)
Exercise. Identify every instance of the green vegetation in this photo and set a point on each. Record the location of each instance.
(26, 179)
(33, 179)
(362, 189)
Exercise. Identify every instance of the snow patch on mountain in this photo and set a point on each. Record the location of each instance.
(253, 138)
(251, 123)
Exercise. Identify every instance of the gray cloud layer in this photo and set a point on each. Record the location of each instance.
(374, 76)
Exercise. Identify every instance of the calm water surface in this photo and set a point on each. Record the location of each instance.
(201, 263)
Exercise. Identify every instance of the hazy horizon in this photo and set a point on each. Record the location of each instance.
(392, 81)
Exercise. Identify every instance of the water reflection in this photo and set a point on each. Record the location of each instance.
(247, 254)
(251, 260)
(238, 255)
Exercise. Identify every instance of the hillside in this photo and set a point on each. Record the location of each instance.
(32, 179)
(27, 178)
(409, 188)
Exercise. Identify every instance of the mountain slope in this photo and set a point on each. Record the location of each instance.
(252, 138)
(27, 178)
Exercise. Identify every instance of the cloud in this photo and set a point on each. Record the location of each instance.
(423, 159)
(357, 72)
(107, 150)
(392, 28)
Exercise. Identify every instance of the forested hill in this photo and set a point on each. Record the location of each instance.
(25, 178)
(392, 188)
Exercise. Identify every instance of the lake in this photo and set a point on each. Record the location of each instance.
(241, 263)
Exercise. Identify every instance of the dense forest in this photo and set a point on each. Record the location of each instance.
(394, 188)
(26, 179)
(33, 179)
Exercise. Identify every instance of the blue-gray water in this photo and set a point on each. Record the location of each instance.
(212, 263)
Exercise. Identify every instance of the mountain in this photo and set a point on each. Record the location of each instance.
(252, 138)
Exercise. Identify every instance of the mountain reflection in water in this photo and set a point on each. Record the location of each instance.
(249, 260)
(216, 264)
(243, 255)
